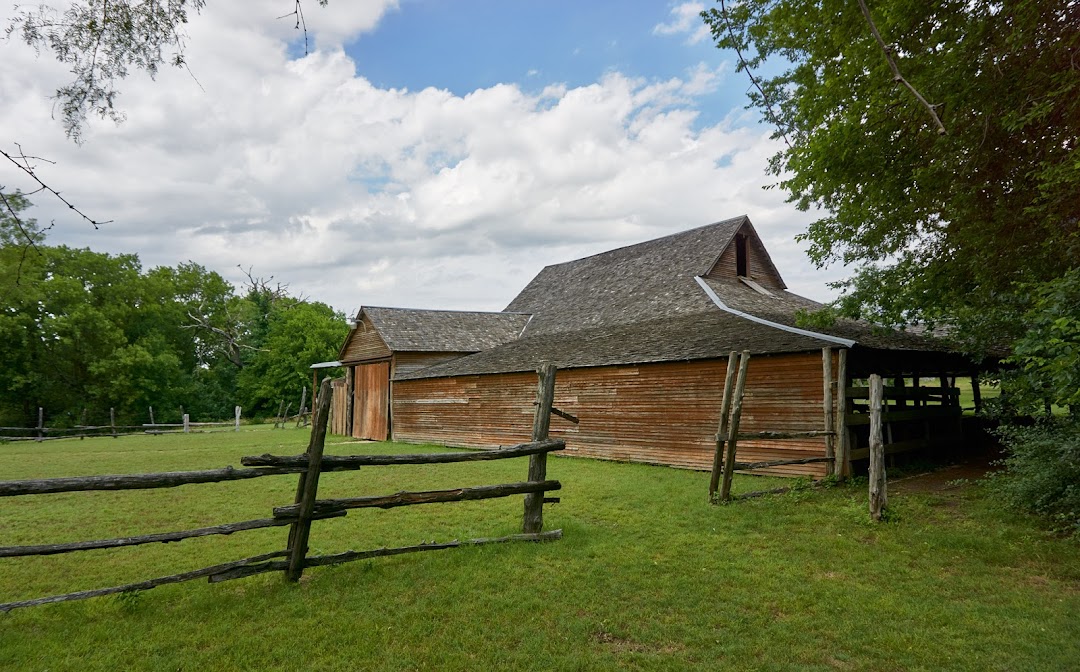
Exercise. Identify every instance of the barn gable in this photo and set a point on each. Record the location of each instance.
(745, 257)
(363, 343)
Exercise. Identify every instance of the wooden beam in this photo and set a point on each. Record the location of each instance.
(565, 416)
(843, 435)
(301, 529)
(733, 426)
(169, 479)
(142, 585)
(827, 407)
(424, 497)
(749, 466)
(721, 432)
(878, 494)
(810, 434)
(533, 516)
(349, 462)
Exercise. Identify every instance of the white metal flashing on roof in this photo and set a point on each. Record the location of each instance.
(325, 365)
(846, 342)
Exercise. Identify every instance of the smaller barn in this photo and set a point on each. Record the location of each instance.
(641, 336)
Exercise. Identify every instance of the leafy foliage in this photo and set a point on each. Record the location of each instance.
(1043, 471)
(82, 331)
(943, 226)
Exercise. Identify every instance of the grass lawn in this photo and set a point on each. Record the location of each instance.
(648, 576)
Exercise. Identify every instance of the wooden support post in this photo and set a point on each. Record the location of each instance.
(112, 420)
(976, 393)
(236, 414)
(350, 381)
(721, 432)
(843, 445)
(40, 424)
(878, 494)
(308, 488)
(533, 518)
(733, 427)
(303, 401)
(187, 423)
(151, 415)
(280, 409)
(827, 407)
(82, 434)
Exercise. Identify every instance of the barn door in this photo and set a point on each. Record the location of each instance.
(371, 401)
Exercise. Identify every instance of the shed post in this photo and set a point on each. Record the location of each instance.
(533, 519)
(733, 427)
(878, 494)
(843, 459)
(827, 408)
(721, 432)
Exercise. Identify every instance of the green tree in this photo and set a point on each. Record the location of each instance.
(945, 227)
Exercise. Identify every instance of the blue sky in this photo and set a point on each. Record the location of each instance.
(424, 153)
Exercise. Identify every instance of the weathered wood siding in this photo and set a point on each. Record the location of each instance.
(657, 413)
(371, 401)
(339, 406)
(757, 264)
(363, 343)
(407, 362)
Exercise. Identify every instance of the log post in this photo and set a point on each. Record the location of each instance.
(151, 415)
(733, 427)
(40, 424)
(878, 494)
(303, 402)
(721, 432)
(187, 423)
(236, 414)
(112, 421)
(843, 445)
(533, 518)
(827, 408)
(308, 488)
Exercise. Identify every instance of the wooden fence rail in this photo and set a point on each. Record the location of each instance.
(306, 507)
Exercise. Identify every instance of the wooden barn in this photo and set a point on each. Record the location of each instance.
(641, 337)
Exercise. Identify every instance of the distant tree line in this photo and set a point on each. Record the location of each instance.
(88, 330)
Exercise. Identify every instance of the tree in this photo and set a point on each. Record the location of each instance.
(103, 40)
(947, 228)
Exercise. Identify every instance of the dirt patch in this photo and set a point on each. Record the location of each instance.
(946, 480)
(626, 645)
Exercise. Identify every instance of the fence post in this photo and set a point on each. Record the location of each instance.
(733, 427)
(308, 487)
(151, 415)
(533, 519)
(843, 439)
(236, 412)
(112, 421)
(82, 434)
(187, 423)
(40, 424)
(303, 403)
(878, 494)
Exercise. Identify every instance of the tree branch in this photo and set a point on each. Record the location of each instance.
(897, 77)
(29, 170)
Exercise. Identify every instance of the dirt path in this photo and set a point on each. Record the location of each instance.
(954, 477)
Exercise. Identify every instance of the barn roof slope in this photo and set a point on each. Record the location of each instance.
(414, 330)
(638, 282)
(702, 335)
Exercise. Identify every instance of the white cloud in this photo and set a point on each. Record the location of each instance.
(355, 194)
(685, 18)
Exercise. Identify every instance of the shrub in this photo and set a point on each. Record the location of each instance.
(1042, 470)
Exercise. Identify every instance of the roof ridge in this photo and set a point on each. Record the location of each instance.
(445, 310)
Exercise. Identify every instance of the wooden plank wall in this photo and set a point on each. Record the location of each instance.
(371, 401)
(364, 343)
(725, 267)
(339, 406)
(656, 413)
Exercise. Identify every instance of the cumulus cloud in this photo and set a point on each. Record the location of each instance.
(685, 19)
(355, 194)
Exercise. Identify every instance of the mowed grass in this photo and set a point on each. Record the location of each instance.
(647, 576)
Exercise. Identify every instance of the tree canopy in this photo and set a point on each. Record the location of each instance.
(87, 330)
(944, 228)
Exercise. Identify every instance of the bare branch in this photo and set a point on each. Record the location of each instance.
(897, 77)
(22, 161)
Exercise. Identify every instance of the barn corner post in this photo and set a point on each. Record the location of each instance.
(533, 518)
(843, 439)
(721, 432)
(878, 494)
(308, 487)
(827, 406)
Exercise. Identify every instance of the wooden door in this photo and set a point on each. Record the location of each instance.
(371, 401)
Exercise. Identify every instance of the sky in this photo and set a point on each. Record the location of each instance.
(422, 153)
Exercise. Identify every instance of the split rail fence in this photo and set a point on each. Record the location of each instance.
(306, 507)
(83, 430)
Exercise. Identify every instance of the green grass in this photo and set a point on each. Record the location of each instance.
(648, 576)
